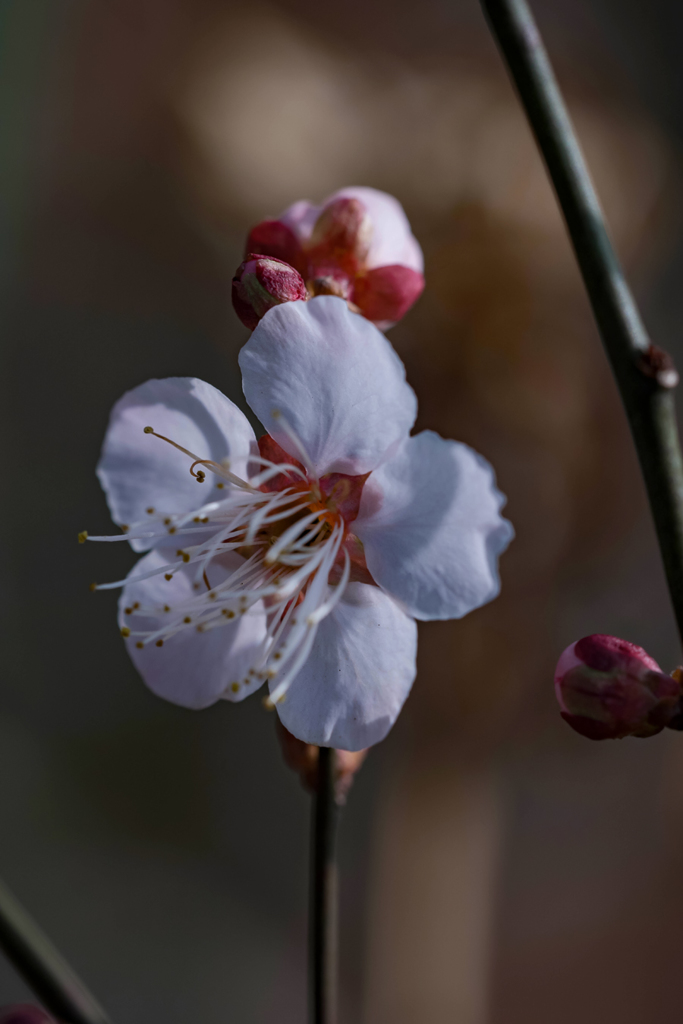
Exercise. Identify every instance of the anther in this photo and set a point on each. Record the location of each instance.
(200, 476)
(136, 605)
(167, 607)
(160, 643)
(187, 619)
(150, 511)
(167, 521)
(149, 430)
(220, 486)
(139, 644)
(124, 528)
(93, 586)
(83, 536)
(171, 529)
(125, 631)
(235, 687)
(267, 704)
(128, 611)
(168, 575)
(200, 628)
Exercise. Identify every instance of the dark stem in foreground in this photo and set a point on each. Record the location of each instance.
(322, 936)
(644, 374)
(49, 976)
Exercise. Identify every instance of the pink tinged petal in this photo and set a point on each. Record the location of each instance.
(191, 669)
(429, 519)
(300, 219)
(385, 295)
(275, 238)
(392, 240)
(139, 471)
(334, 378)
(359, 672)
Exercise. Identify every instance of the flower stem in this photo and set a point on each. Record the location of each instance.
(644, 374)
(323, 897)
(43, 969)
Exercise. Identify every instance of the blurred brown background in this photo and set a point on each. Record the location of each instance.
(496, 868)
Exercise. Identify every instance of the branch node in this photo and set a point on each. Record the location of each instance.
(659, 365)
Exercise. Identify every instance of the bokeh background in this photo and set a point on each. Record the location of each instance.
(495, 867)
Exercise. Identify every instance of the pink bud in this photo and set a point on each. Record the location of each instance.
(608, 688)
(24, 1013)
(385, 294)
(262, 282)
(341, 235)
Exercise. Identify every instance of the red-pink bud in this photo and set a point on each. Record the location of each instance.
(608, 688)
(24, 1013)
(341, 235)
(262, 282)
(385, 294)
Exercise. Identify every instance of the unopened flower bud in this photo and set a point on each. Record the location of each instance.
(302, 758)
(262, 282)
(608, 688)
(24, 1013)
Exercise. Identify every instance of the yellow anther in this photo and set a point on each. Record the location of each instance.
(124, 527)
(128, 611)
(168, 575)
(93, 586)
(235, 687)
(149, 430)
(139, 644)
(277, 656)
(160, 643)
(167, 521)
(150, 511)
(229, 613)
(167, 607)
(187, 619)
(196, 519)
(267, 704)
(125, 631)
(171, 529)
(186, 557)
(220, 486)
(201, 476)
(83, 536)
(136, 604)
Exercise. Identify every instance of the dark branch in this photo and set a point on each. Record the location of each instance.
(644, 374)
(56, 985)
(323, 907)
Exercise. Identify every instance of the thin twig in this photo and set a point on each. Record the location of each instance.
(644, 373)
(323, 906)
(43, 969)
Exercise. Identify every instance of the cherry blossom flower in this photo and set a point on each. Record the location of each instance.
(357, 245)
(301, 560)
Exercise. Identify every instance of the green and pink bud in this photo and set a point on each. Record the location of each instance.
(262, 282)
(608, 688)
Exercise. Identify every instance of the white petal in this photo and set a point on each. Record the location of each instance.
(429, 519)
(392, 240)
(357, 676)
(139, 471)
(191, 669)
(335, 379)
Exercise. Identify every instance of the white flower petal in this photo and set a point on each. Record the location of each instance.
(191, 669)
(335, 379)
(429, 519)
(392, 240)
(357, 676)
(139, 471)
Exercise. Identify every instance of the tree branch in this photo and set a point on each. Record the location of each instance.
(644, 374)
